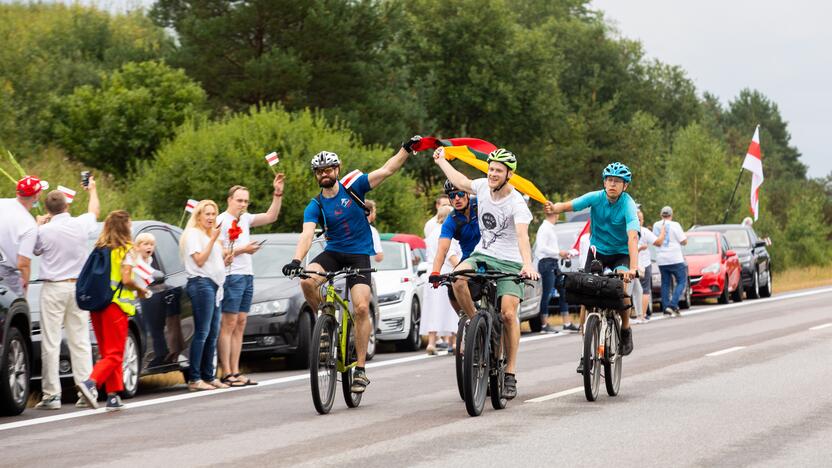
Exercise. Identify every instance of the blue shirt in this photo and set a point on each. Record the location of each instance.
(469, 231)
(610, 221)
(347, 229)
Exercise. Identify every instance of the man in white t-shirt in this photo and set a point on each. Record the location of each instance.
(371, 218)
(18, 234)
(671, 261)
(61, 261)
(504, 245)
(431, 224)
(239, 283)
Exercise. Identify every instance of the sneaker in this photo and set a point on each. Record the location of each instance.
(571, 327)
(626, 341)
(114, 403)
(676, 312)
(548, 329)
(89, 392)
(49, 402)
(81, 403)
(359, 382)
(668, 311)
(509, 387)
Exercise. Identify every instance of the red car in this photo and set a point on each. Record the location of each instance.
(714, 268)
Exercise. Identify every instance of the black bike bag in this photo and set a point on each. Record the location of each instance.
(595, 291)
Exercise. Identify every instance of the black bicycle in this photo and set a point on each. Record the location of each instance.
(481, 359)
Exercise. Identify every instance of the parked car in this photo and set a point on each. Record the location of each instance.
(714, 268)
(753, 257)
(160, 333)
(684, 300)
(280, 322)
(399, 295)
(15, 350)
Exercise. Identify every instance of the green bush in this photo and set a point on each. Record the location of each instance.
(205, 159)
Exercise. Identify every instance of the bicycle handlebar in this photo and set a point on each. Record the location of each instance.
(482, 275)
(332, 275)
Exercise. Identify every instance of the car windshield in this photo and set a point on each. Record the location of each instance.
(701, 245)
(738, 238)
(269, 260)
(394, 257)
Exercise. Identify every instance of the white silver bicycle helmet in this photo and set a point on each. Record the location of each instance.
(325, 159)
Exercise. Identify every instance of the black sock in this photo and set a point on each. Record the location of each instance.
(359, 369)
(507, 374)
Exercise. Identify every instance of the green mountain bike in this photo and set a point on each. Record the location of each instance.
(333, 342)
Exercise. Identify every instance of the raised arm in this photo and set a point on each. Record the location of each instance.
(558, 208)
(393, 164)
(457, 178)
(270, 215)
(94, 205)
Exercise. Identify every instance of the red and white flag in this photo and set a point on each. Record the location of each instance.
(754, 163)
(68, 193)
(350, 178)
(190, 205)
(272, 158)
(143, 270)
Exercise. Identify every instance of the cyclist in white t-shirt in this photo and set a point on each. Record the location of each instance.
(504, 244)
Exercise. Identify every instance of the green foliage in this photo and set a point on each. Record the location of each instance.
(207, 158)
(125, 120)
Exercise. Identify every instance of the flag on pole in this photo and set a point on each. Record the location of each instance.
(585, 230)
(272, 158)
(754, 163)
(190, 205)
(143, 270)
(68, 193)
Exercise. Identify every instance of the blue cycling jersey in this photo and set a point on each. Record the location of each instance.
(468, 232)
(610, 221)
(347, 228)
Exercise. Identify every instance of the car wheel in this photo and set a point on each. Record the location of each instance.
(371, 345)
(723, 297)
(754, 291)
(14, 374)
(736, 296)
(131, 366)
(300, 360)
(766, 290)
(413, 341)
(685, 303)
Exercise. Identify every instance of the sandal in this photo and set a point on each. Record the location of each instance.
(246, 381)
(232, 382)
(216, 383)
(199, 386)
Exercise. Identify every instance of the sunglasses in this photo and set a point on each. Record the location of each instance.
(459, 194)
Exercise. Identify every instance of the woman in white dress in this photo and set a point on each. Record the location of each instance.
(438, 316)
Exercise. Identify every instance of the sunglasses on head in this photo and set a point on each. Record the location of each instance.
(459, 194)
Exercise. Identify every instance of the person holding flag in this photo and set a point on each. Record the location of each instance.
(61, 261)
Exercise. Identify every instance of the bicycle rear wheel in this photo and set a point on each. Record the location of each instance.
(460, 343)
(323, 367)
(352, 399)
(475, 364)
(497, 377)
(592, 364)
(613, 360)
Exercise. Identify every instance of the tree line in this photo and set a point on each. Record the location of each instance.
(183, 100)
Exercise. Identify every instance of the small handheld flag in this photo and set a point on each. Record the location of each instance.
(272, 158)
(143, 271)
(190, 205)
(68, 193)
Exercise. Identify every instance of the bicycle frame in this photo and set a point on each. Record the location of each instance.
(604, 317)
(331, 298)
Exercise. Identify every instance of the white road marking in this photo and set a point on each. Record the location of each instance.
(552, 396)
(725, 351)
(821, 327)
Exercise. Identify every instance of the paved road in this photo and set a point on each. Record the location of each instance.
(738, 385)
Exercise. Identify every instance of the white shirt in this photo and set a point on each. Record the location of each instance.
(647, 238)
(62, 245)
(432, 245)
(18, 231)
(547, 242)
(376, 240)
(497, 222)
(430, 225)
(670, 252)
(241, 265)
(214, 268)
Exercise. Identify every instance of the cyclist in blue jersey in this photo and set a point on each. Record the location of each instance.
(614, 231)
(340, 209)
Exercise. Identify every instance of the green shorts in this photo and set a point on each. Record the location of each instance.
(505, 287)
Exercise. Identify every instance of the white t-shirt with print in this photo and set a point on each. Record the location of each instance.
(241, 265)
(647, 238)
(670, 252)
(497, 222)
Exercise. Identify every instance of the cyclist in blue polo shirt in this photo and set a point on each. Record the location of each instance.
(339, 208)
(614, 231)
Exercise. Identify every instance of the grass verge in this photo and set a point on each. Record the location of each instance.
(802, 278)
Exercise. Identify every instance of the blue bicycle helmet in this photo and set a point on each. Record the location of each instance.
(617, 169)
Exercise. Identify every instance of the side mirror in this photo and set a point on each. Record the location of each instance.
(731, 253)
(760, 243)
(158, 277)
(422, 268)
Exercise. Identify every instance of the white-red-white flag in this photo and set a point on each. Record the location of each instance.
(754, 163)
(190, 205)
(350, 178)
(68, 193)
(272, 158)
(143, 270)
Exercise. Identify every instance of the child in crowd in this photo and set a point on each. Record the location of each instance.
(144, 247)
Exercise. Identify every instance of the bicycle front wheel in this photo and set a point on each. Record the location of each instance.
(458, 349)
(613, 359)
(323, 364)
(475, 364)
(592, 364)
(352, 399)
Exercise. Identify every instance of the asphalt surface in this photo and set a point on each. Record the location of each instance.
(740, 385)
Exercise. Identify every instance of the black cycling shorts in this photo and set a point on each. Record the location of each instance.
(334, 261)
(608, 261)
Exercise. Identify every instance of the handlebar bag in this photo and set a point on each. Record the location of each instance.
(595, 291)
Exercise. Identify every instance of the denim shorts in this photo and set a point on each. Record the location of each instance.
(237, 292)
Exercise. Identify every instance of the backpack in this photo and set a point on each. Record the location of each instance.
(92, 290)
(461, 221)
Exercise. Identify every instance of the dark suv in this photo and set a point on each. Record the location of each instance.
(15, 350)
(754, 258)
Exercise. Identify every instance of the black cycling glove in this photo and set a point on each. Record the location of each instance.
(292, 268)
(408, 145)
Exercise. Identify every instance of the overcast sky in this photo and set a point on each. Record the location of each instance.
(779, 48)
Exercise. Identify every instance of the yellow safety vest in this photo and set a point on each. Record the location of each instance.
(122, 297)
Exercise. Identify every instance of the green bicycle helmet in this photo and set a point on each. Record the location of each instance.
(502, 155)
(617, 169)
